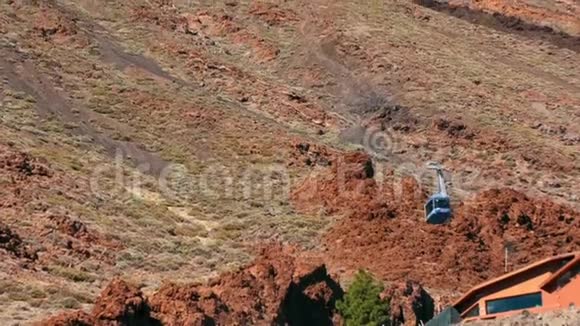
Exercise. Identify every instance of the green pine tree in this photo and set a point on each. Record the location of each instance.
(362, 305)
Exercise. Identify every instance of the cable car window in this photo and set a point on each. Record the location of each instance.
(429, 206)
(514, 303)
(443, 203)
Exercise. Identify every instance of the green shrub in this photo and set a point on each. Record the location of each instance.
(362, 305)
(72, 274)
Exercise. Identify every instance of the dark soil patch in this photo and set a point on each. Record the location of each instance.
(505, 23)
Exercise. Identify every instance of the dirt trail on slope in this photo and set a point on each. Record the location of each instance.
(60, 24)
(112, 53)
(21, 75)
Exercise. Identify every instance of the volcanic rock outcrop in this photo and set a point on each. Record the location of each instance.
(384, 231)
(277, 288)
(12, 243)
(410, 303)
(348, 187)
(119, 304)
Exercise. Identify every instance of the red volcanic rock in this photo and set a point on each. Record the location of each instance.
(121, 304)
(225, 25)
(27, 178)
(272, 14)
(348, 181)
(55, 25)
(12, 243)
(71, 227)
(410, 303)
(462, 254)
(531, 228)
(73, 318)
(306, 154)
(384, 229)
(348, 188)
(278, 288)
(455, 129)
(23, 164)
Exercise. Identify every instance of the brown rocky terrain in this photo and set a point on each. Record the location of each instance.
(276, 289)
(159, 142)
(382, 231)
(49, 234)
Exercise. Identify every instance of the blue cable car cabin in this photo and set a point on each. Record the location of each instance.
(438, 207)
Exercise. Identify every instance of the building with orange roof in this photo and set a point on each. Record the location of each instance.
(549, 284)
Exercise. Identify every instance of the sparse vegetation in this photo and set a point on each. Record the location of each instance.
(72, 274)
(70, 303)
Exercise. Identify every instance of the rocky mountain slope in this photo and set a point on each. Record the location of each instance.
(276, 289)
(143, 142)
